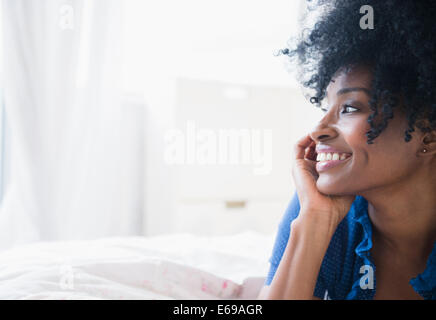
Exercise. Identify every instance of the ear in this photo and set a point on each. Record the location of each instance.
(426, 137)
(428, 143)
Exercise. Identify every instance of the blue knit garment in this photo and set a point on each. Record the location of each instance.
(348, 271)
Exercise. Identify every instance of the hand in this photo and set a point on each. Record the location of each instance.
(305, 176)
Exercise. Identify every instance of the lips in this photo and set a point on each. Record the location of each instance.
(326, 165)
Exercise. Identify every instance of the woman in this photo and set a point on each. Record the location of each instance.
(363, 225)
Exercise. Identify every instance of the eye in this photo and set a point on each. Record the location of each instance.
(348, 106)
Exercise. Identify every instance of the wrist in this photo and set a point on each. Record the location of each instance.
(321, 224)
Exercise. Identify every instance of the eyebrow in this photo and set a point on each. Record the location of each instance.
(347, 90)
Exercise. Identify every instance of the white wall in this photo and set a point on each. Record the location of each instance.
(206, 192)
(212, 43)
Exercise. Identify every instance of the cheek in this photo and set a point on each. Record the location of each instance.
(355, 125)
(381, 151)
(384, 162)
(355, 135)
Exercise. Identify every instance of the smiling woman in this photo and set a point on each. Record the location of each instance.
(362, 224)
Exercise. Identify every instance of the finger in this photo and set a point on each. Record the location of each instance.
(301, 145)
(310, 152)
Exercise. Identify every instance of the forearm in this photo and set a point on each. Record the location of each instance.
(297, 273)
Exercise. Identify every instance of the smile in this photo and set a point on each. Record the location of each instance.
(327, 161)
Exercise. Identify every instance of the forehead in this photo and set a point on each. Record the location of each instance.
(355, 77)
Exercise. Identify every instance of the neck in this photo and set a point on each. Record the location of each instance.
(404, 215)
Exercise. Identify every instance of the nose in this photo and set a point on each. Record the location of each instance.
(323, 131)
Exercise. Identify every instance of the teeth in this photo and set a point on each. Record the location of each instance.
(332, 156)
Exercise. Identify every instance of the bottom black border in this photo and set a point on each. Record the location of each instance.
(212, 309)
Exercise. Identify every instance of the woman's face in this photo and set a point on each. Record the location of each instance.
(388, 163)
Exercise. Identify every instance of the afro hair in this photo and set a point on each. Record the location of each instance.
(400, 51)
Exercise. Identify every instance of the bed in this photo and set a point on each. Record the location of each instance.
(175, 266)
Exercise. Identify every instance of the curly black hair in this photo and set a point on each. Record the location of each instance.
(400, 51)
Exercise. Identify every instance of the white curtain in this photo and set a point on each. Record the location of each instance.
(75, 162)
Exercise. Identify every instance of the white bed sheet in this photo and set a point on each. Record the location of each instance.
(178, 266)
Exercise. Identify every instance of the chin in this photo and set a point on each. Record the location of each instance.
(331, 189)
